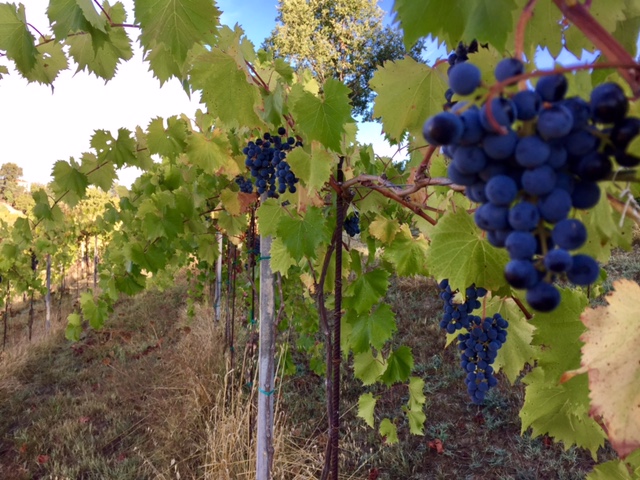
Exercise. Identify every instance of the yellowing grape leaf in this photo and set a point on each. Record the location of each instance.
(384, 229)
(611, 358)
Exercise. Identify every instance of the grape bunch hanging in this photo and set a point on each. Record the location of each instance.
(478, 340)
(531, 159)
(266, 161)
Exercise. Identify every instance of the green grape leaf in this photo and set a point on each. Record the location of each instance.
(416, 420)
(50, 61)
(149, 257)
(95, 312)
(627, 34)
(74, 327)
(226, 90)
(69, 16)
(604, 231)
(15, 38)
(558, 332)
(517, 351)
(407, 254)
(101, 53)
(458, 252)
(177, 24)
(169, 142)
(612, 470)
(416, 394)
(68, 180)
(230, 201)
(284, 69)
(419, 19)
(368, 368)
(281, 260)
(119, 151)
(99, 174)
(384, 229)
(611, 358)
(302, 236)
(232, 226)
(273, 105)
(212, 154)
(313, 170)
(482, 18)
(163, 64)
(42, 209)
(371, 330)
(399, 366)
(367, 290)
(3, 71)
(366, 407)
(544, 29)
(561, 411)
(389, 431)
(269, 215)
(408, 93)
(324, 119)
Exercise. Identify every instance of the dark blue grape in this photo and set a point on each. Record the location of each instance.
(609, 104)
(464, 78)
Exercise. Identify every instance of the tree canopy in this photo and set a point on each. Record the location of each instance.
(341, 39)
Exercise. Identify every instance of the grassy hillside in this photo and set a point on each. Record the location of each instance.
(152, 397)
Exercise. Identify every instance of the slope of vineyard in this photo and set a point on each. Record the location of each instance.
(148, 397)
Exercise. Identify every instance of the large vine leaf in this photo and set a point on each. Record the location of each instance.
(407, 254)
(458, 252)
(15, 38)
(69, 16)
(177, 24)
(419, 19)
(50, 61)
(611, 358)
(371, 330)
(302, 236)
(323, 119)
(408, 93)
(100, 53)
(366, 290)
(560, 411)
(225, 89)
(313, 170)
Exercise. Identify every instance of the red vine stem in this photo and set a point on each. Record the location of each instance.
(527, 313)
(527, 13)
(579, 15)
(424, 166)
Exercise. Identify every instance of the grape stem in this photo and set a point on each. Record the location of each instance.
(527, 13)
(426, 162)
(579, 15)
(527, 313)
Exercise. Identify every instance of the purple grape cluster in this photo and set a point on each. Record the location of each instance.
(266, 160)
(480, 340)
(352, 224)
(479, 349)
(530, 159)
(458, 315)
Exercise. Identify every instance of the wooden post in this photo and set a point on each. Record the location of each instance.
(218, 278)
(47, 298)
(95, 263)
(266, 364)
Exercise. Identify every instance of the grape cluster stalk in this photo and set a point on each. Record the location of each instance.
(478, 339)
(266, 159)
(531, 159)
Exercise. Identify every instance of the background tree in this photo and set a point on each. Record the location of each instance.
(10, 173)
(342, 39)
